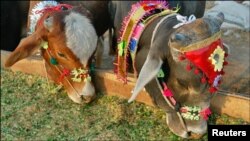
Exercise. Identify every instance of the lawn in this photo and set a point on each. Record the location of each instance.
(34, 109)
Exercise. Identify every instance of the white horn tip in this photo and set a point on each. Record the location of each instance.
(131, 100)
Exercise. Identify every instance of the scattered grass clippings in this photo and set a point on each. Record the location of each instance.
(34, 109)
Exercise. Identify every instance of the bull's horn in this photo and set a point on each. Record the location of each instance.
(149, 70)
(220, 17)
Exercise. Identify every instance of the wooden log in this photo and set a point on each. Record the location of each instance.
(222, 103)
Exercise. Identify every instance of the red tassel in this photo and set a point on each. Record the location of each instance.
(181, 57)
(188, 67)
(203, 80)
(225, 63)
(212, 89)
(226, 54)
(196, 71)
(66, 72)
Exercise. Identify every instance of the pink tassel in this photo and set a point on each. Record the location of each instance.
(167, 93)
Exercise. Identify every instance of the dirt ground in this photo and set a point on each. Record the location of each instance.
(236, 78)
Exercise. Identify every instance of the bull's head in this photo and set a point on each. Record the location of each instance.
(67, 40)
(191, 81)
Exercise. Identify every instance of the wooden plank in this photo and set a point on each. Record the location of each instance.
(106, 82)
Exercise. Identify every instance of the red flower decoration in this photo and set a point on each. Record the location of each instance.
(205, 113)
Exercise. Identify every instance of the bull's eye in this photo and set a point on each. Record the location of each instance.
(64, 8)
(61, 55)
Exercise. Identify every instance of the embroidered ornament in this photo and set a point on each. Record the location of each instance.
(207, 57)
(217, 58)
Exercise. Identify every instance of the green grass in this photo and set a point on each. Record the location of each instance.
(32, 109)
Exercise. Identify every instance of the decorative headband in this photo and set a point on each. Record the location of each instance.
(42, 7)
(208, 57)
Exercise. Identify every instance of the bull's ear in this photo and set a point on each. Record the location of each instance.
(25, 48)
(149, 70)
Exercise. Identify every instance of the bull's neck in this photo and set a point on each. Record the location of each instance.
(100, 15)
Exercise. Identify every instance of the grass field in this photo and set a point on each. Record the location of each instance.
(33, 109)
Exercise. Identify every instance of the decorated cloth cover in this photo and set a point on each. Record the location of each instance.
(140, 15)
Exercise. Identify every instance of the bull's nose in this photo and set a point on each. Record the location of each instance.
(88, 99)
(194, 135)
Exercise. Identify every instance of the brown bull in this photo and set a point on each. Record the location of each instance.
(67, 34)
